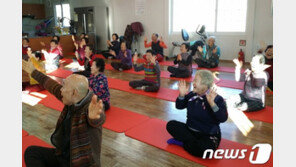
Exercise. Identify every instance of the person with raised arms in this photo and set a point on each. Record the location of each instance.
(78, 135)
(205, 111)
(151, 82)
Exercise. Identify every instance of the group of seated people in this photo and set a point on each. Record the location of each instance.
(205, 108)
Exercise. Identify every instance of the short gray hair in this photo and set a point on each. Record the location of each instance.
(207, 77)
(212, 37)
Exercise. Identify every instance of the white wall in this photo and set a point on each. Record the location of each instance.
(156, 19)
(263, 26)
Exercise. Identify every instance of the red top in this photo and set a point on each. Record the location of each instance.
(55, 51)
(24, 50)
(161, 44)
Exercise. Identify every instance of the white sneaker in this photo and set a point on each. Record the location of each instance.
(120, 69)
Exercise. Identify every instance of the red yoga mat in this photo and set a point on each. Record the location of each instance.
(32, 141)
(171, 63)
(49, 101)
(234, 84)
(163, 74)
(24, 133)
(265, 115)
(220, 69)
(230, 84)
(153, 132)
(120, 120)
(163, 93)
(99, 56)
(61, 73)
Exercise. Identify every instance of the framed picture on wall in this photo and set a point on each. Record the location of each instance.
(242, 42)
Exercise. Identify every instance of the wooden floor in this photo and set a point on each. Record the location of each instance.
(120, 150)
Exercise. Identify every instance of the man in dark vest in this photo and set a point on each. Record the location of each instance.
(156, 45)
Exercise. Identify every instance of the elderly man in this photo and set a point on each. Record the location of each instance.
(205, 111)
(78, 134)
(156, 45)
(208, 55)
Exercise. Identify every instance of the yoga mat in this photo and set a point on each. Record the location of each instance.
(171, 63)
(117, 119)
(31, 141)
(61, 73)
(163, 93)
(265, 115)
(99, 56)
(221, 69)
(120, 120)
(163, 74)
(234, 84)
(24, 133)
(231, 84)
(49, 100)
(153, 132)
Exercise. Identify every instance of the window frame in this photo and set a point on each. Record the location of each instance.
(215, 32)
(55, 13)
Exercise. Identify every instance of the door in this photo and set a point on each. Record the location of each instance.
(86, 24)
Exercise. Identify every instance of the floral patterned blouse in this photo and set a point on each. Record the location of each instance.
(99, 85)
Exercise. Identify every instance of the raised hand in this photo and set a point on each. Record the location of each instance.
(153, 60)
(95, 108)
(112, 52)
(237, 63)
(135, 58)
(28, 66)
(145, 39)
(77, 55)
(179, 57)
(211, 96)
(42, 43)
(76, 45)
(43, 51)
(183, 88)
(29, 52)
(108, 43)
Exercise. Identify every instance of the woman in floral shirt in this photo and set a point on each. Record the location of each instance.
(98, 82)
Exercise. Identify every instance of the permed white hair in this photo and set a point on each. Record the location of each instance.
(207, 78)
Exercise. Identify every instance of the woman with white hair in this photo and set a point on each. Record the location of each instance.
(253, 96)
(205, 111)
(209, 54)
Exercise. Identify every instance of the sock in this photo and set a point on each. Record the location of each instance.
(175, 142)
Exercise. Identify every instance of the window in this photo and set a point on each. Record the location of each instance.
(63, 14)
(216, 15)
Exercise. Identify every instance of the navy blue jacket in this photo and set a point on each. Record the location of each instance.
(200, 115)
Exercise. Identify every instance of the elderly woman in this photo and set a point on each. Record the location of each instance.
(113, 47)
(125, 57)
(253, 96)
(209, 54)
(98, 82)
(205, 111)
